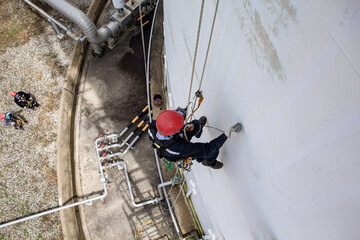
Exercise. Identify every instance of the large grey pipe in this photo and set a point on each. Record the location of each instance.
(82, 21)
(94, 36)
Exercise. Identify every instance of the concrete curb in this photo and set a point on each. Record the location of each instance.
(71, 226)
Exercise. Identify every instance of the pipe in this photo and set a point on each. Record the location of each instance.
(100, 139)
(69, 33)
(102, 180)
(127, 138)
(140, 204)
(134, 120)
(80, 19)
(117, 154)
(149, 113)
(94, 36)
(118, 4)
(57, 209)
(123, 166)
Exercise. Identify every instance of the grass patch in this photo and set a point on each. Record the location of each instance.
(13, 32)
(18, 24)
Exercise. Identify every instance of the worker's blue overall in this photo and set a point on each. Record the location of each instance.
(175, 147)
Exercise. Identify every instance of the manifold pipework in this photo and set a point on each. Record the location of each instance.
(121, 165)
(93, 35)
(112, 139)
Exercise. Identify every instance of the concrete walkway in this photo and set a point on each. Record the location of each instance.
(111, 93)
(104, 95)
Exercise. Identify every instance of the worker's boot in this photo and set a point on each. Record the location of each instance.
(202, 121)
(215, 165)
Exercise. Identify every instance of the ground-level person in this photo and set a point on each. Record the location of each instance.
(11, 118)
(24, 100)
(172, 139)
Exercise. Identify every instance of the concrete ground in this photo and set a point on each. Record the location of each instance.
(112, 92)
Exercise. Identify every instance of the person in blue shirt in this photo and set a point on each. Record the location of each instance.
(12, 118)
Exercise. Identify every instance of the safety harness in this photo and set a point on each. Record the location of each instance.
(163, 145)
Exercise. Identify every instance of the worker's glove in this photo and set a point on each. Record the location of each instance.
(236, 128)
(182, 111)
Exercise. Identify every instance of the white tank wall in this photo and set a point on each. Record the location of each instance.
(289, 71)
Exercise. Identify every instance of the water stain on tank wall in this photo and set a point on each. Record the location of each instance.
(258, 33)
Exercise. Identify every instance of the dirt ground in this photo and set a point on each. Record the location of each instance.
(32, 59)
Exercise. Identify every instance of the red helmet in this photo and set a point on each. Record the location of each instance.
(169, 122)
(2, 116)
(12, 93)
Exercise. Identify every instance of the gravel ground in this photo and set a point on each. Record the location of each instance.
(33, 60)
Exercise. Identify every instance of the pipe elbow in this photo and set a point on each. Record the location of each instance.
(111, 29)
(78, 17)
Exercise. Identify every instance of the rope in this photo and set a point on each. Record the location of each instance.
(201, 79)
(215, 128)
(180, 191)
(147, 68)
(205, 61)
(172, 185)
(196, 48)
(150, 118)
(210, 38)
(141, 226)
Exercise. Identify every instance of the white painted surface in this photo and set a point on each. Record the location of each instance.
(289, 71)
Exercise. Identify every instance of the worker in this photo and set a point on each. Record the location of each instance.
(172, 139)
(24, 100)
(12, 118)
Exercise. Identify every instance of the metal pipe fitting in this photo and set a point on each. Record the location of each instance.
(150, 119)
(140, 204)
(80, 19)
(53, 21)
(56, 209)
(118, 4)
